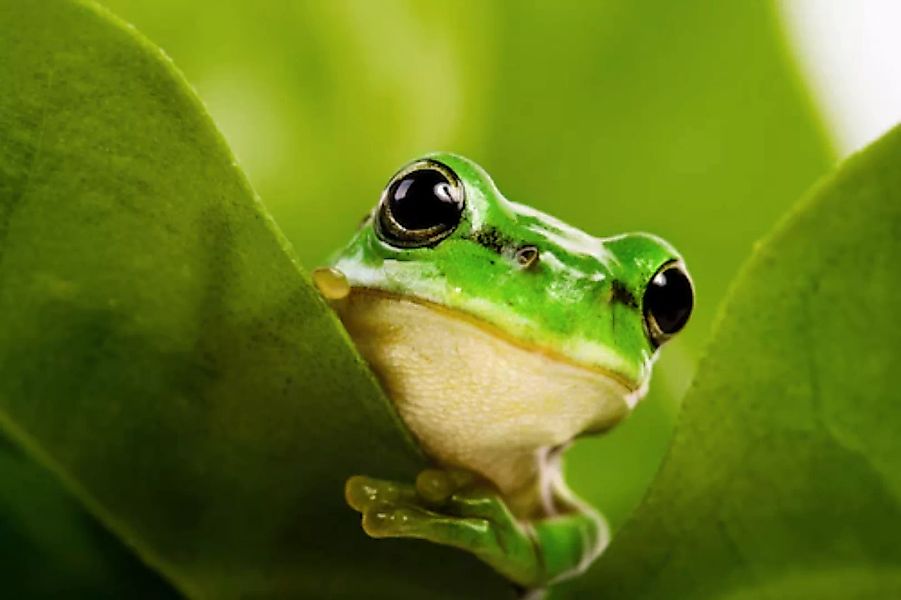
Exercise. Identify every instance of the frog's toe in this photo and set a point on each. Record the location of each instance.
(483, 503)
(436, 486)
(363, 493)
(417, 522)
(460, 493)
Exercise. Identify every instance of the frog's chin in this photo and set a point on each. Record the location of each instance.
(473, 397)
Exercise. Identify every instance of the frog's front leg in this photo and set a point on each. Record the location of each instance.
(447, 508)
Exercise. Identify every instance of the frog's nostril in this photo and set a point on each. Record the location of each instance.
(527, 256)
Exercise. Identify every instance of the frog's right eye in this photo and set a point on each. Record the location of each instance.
(667, 302)
(422, 205)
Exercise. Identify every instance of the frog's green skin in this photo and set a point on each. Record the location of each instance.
(438, 323)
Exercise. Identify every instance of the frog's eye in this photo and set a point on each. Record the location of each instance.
(422, 205)
(667, 302)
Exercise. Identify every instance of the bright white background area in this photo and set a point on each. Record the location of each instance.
(850, 53)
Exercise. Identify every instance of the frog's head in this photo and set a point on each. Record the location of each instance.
(450, 276)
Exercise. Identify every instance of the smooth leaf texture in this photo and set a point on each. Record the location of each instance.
(784, 480)
(51, 548)
(160, 351)
(686, 119)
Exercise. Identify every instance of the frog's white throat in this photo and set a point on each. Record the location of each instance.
(472, 398)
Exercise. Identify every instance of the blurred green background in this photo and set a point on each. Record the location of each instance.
(684, 119)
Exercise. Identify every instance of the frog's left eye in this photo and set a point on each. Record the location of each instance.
(667, 302)
(422, 205)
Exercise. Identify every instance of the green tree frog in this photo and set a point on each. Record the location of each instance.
(500, 334)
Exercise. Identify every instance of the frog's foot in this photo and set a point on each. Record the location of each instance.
(449, 508)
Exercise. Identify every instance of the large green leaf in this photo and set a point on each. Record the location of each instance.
(681, 118)
(784, 480)
(160, 351)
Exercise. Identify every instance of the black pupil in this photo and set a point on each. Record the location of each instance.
(669, 299)
(424, 199)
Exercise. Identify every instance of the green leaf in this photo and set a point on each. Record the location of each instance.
(160, 351)
(784, 479)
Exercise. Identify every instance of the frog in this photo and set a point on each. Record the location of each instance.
(500, 334)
